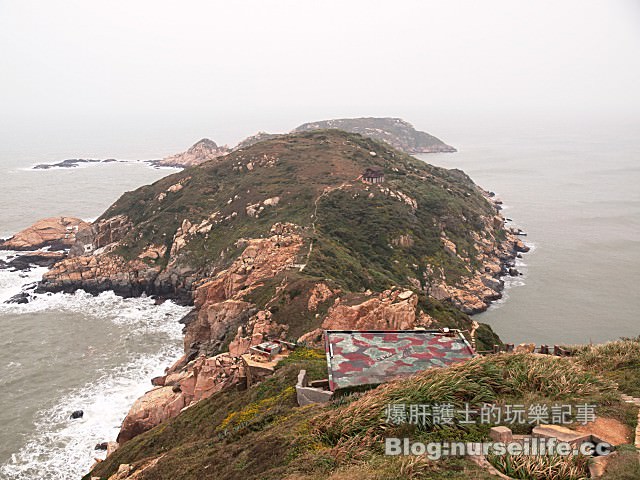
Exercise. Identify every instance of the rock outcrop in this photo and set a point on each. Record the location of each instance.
(99, 273)
(150, 410)
(198, 153)
(219, 302)
(390, 310)
(39, 258)
(56, 233)
(220, 316)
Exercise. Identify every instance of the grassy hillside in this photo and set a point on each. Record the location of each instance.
(261, 433)
(354, 225)
(352, 230)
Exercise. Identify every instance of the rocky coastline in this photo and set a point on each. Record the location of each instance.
(221, 307)
(252, 289)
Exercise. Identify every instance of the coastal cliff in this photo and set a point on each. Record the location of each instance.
(285, 238)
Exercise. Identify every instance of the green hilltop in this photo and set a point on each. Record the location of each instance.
(357, 236)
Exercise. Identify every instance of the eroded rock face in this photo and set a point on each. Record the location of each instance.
(262, 258)
(100, 273)
(391, 310)
(214, 323)
(182, 386)
(320, 294)
(200, 152)
(150, 410)
(219, 304)
(221, 317)
(106, 232)
(57, 233)
(259, 328)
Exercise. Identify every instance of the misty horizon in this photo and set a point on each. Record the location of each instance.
(175, 74)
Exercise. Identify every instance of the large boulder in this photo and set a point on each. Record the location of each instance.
(182, 387)
(153, 408)
(58, 233)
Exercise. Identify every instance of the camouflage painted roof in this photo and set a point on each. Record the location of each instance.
(372, 357)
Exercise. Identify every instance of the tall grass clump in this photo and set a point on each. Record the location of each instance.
(542, 467)
(618, 361)
(490, 379)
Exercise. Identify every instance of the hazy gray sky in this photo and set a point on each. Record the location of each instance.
(136, 58)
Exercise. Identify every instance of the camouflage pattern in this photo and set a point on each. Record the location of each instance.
(373, 357)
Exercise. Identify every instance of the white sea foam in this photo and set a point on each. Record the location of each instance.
(512, 282)
(60, 448)
(12, 282)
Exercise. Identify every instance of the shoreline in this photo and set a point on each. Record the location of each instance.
(114, 375)
(482, 289)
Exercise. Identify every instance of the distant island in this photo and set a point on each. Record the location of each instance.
(396, 132)
(72, 163)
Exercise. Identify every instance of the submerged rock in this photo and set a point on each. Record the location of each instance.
(35, 259)
(20, 298)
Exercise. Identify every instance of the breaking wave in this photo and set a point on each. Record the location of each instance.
(60, 448)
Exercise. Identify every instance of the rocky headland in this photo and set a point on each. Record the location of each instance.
(285, 238)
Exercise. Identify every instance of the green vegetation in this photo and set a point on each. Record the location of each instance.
(261, 433)
(517, 379)
(355, 228)
(354, 232)
(618, 361)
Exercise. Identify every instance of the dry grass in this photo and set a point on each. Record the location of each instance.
(619, 361)
(542, 467)
(480, 380)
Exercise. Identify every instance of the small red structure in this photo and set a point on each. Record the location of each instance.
(373, 175)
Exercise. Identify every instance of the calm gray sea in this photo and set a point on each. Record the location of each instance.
(572, 186)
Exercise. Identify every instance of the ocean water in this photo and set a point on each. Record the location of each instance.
(575, 189)
(60, 352)
(572, 187)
